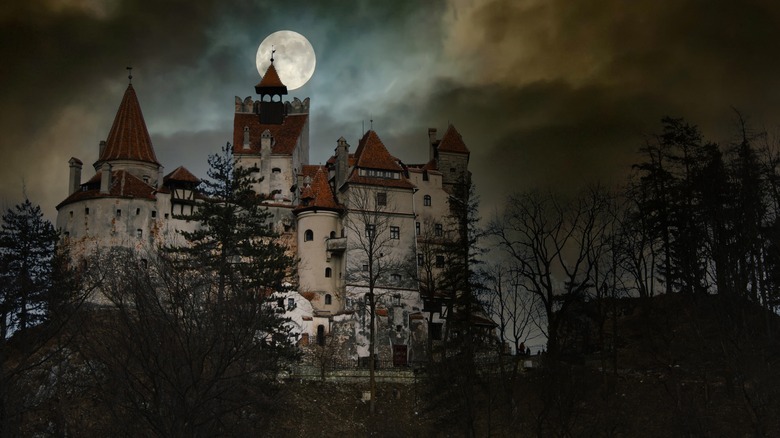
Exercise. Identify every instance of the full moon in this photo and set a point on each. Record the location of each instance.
(294, 57)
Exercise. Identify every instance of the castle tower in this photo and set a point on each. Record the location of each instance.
(129, 146)
(124, 204)
(452, 157)
(273, 137)
(321, 243)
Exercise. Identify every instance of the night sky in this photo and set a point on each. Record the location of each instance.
(545, 92)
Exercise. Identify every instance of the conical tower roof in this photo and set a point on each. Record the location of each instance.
(128, 139)
(270, 83)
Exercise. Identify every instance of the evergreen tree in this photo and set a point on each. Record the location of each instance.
(27, 245)
(234, 241)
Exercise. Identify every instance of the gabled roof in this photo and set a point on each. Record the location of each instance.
(318, 194)
(129, 139)
(181, 174)
(270, 83)
(285, 136)
(371, 153)
(453, 142)
(123, 185)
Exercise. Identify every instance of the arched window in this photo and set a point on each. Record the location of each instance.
(328, 299)
(308, 235)
(427, 200)
(332, 234)
(328, 272)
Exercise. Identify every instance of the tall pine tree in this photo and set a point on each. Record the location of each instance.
(27, 245)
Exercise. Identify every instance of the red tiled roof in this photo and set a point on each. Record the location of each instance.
(123, 185)
(372, 153)
(181, 174)
(129, 139)
(453, 142)
(318, 194)
(270, 78)
(285, 136)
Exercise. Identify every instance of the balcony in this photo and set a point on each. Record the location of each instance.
(337, 244)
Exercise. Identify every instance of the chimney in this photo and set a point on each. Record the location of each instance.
(101, 148)
(432, 143)
(342, 161)
(105, 178)
(75, 175)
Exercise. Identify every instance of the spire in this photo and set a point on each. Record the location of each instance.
(270, 84)
(128, 139)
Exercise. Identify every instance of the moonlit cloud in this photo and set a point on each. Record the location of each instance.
(545, 92)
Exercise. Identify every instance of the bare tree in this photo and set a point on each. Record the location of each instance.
(375, 258)
(174, 356)
(548, 242)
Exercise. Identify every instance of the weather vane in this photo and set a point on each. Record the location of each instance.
(130, 74)
(272, 53)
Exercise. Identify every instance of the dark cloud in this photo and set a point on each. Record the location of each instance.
(544, 92)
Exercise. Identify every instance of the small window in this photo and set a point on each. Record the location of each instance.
(397, 299)
(154, 213)
(398, 328)
(365, 266)
(137, 211)
(119, 213)
(438, 230)
(308, 235)
(395, 233)
(276, 170)
(370, 230)
(417, 228)
(425, 175)
(139, 233)
(439, 261)
(332, 234)
(71, 213)
(290, 303)
(328, 299)
(280, 302)
(420, 259)
(86, 210)
(427, 200)
(381, 198)
(166, 216)
(144, 263)
(328, 272)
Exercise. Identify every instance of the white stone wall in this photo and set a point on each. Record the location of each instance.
(314, 259)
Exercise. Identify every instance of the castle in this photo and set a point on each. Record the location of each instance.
(324, 213)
